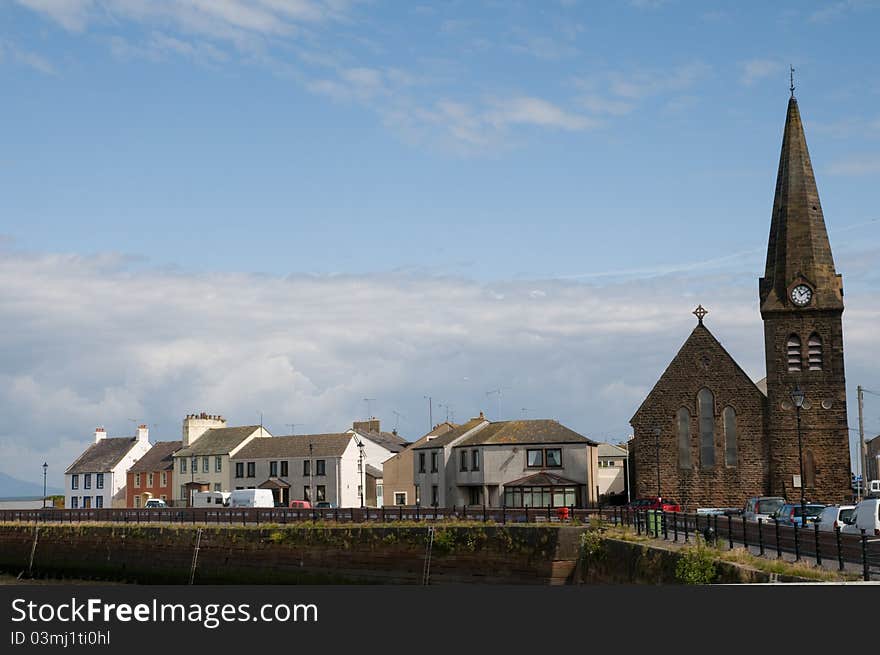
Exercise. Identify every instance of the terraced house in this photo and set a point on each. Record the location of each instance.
(152, 476)
(203, 462)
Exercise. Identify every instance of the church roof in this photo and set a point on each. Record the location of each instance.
(700, 352)
(798, 248)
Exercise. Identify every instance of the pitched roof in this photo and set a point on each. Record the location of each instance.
(798, 244)
(157, 458)
(388, 440)
(541, 479)
(373, 472)
(526, 431)
(218, 441)
(323, 445)
(102, 456)
(451, 435)
(611, 450)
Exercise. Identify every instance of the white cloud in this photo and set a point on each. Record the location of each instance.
(89, 342)
(12, 52)
(856, 165)
(526, 110)
(756, 70)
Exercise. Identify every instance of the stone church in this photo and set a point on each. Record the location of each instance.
(710, 435)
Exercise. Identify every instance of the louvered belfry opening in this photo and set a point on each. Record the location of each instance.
(794, 353)
(814, 346)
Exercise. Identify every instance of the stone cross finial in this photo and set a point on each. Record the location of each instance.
(700, 312)
(791, 76)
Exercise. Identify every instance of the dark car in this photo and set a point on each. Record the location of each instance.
(790, 514)
(325, 504)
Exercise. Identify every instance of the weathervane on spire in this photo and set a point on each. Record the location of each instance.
(791, 76)
(700, 312)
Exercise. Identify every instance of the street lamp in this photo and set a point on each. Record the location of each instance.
(657, 444)
(45, 467)
(797, 398)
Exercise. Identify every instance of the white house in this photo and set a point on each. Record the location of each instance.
(612, 469)
(97, 477)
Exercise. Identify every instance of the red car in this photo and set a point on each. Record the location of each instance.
(655, 503)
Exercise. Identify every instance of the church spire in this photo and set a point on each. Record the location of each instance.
(798, 251)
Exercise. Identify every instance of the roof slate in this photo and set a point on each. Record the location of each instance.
(218, 441)
(610, 450)
(323, 445)
(451, 435)
(102, 456)
(530, 431)
(388, 440)
(541, 479)
(157, 458)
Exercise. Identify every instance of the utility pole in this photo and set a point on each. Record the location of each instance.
(863, 469)
(430, 412)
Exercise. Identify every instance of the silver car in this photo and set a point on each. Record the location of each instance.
(762, 507)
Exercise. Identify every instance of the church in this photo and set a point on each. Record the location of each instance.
(709, 436)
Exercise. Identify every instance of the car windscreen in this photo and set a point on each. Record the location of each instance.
(767, 506)
(846, 515)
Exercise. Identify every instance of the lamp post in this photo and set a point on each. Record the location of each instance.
(657, 444)
(45, 467)
(797, 398)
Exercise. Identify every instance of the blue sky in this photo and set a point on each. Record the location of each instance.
(440, 160)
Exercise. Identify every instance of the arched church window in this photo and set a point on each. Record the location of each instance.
(729, 436)
(794, 353)
(706, 402)
(809, 469)
(814, 347)
(683, 425)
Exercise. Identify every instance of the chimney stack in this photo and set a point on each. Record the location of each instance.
(371, 425)
(100, 433)
(195, 425)
(143, 433)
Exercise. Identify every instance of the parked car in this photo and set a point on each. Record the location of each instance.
(866, 516)
(300, 504)
(762, 507)
(154, 503)
(251, 498)
(790, 514)
(835, 516)
(325, 504)
(655, 503)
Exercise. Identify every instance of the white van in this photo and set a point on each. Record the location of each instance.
(252, 498)
(210, 498)
(866, 516)
(873, 488)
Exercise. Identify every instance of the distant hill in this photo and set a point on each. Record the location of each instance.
(14, 488)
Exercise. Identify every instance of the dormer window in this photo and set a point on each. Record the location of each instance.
(814, 348)
(793, 348)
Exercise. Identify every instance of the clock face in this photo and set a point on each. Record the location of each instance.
(801, 295)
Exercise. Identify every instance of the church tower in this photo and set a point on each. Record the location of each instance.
(801, 297)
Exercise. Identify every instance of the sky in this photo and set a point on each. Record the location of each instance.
(285, 207)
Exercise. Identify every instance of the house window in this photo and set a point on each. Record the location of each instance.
(421, 465)
(553, 457)
(284, 469)
(99, 501)
(164, 479)
(463, 460)
(475, 496)
(99, 480)
(74, 502)
(706, 401)
(793, 348)
(218, 464)
(137, 480)
(205, 462)
(321, 492)
(87, 481)
(273, 469)
(307, 467)
(239, 469)
(809, 469)
(251, 469)
(307, 493)
(149, 479)
(194, 464)
(165, 498)
(435, 495)
(217, 486)
(433, 462)
(74, 481)
(87, 502)
(475, 460)
(137, 501)
(814, 349)
(183, 464)
(319, 467)
(535, 458)
(683, 427)
(400, 498)
(729, 436)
